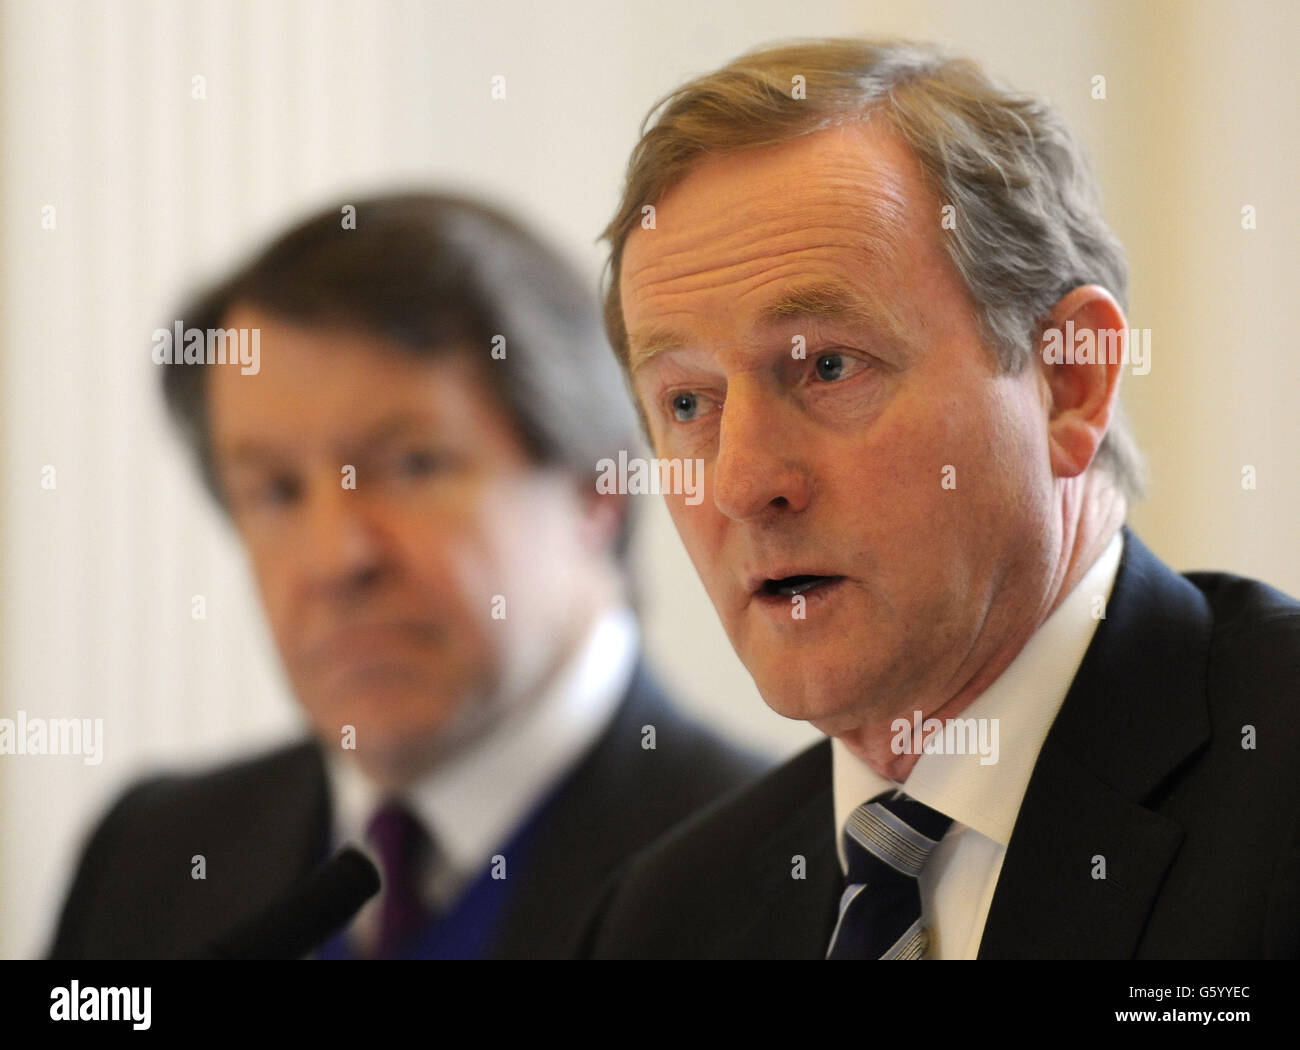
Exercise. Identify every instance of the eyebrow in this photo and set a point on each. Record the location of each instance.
(252, 453)
(823, 301)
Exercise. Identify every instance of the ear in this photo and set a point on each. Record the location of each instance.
(1084, 344)
(602, 517)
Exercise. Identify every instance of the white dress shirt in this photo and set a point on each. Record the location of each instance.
(958, 881)
(473, 803)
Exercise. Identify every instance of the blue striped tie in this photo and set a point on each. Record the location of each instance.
(887, 842)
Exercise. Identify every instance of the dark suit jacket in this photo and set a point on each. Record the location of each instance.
(265, 822)
(1144, 766)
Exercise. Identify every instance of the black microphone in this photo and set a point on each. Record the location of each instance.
(301, 919)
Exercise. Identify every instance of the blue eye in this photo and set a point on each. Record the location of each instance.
(830, 367)
(684, 406)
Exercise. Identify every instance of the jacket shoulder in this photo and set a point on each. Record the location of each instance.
(708, 873)
(135, 871)
(651, 768)
(668, 757)
(1254, 642)
(1242, 605)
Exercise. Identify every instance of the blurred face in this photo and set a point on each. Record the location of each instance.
(444, 586)
(880, 519)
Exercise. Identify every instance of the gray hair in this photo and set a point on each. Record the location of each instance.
(1028, 226)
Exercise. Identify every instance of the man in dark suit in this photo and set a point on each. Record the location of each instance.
(406, 443)
(1144, 766)
(897, 350)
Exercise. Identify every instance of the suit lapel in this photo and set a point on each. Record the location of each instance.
(788, 917)
(533, 922)
(565, 856)
(284, 806)
(1135, 711)
(261, 826)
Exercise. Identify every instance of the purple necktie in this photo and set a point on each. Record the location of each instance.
(400, 840)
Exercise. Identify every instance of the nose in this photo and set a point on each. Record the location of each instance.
(340, 547)
(756, 471)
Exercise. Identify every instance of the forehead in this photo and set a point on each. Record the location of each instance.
(322, 384)
(845, 205)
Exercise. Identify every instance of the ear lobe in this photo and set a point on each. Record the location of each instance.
(603, 515)
(1082, 347)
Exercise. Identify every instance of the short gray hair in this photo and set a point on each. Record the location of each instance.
(1027, 221)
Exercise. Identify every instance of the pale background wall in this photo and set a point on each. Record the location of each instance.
(307, 101)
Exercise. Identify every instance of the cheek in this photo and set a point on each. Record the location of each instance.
(918, 492)
(454, 566)
(896, 471)
(500, 554)
(1015, 436)
(970, 446)
(991, 439)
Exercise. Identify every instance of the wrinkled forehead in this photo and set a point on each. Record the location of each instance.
(846, 203)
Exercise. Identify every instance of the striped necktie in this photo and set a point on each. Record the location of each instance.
(887, 842)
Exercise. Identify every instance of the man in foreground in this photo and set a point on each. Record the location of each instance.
(841, 276)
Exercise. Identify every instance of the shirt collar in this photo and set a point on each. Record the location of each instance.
(1021, 705)
(471, 804)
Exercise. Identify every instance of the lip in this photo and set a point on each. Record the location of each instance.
(755, 581)
(362, 643)
(778, 608)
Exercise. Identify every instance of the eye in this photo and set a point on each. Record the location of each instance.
(277, 492)
(685, 406)
(830, 367)
(834, 367)
(419, 462)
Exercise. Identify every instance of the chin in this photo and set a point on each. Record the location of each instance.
(829, 701)
(795, 699)
(384, 717)
(394, 752)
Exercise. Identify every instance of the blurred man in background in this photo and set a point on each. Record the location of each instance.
(409, 465)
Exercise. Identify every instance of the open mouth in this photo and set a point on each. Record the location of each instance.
(789, 586)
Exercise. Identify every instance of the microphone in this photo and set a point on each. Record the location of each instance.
(301, 919)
